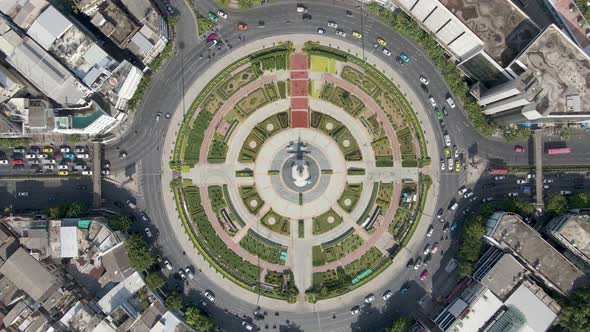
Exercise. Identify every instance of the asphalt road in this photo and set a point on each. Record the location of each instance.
(143, 142)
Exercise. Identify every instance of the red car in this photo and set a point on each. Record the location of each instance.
(212, 36)
(57, 155)
(17, 162)
(518, 148)
(424, 275)
(435, 248)
(242, 26)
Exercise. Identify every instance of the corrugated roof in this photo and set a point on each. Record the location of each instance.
(28, 274)
(49, 26)
(69, 241)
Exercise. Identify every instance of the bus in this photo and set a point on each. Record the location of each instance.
(559, 151)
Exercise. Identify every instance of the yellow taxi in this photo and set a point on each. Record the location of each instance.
(357, 34)
(63, 173)
(457, 166)
(381, 41)
(47, 149)
(447, 153)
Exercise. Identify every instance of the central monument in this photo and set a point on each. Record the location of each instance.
(300, 167)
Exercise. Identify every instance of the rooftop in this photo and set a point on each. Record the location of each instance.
(509, 230)
(502, 26)
(144, 12)
(479, 312)
(48, 27)
(170, 323)
(116, 263)
(560, 70)
(28, 274)
(23, 12)
(504, 276)
(114, 23)
(121, 293)
(576, 231)
(538, 308)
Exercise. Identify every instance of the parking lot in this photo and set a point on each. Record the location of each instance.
(36, 195)
(35, 160)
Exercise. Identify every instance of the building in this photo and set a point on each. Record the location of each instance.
(169, 322)
(572, 232)
(10, 84)
(508, 232)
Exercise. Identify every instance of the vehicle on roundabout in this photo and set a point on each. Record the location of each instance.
(212, 16)
(387, 295)
(404, 57)
(340, 33)
(332, 24)
(370, 298)
(381, 41)
(386, 52)
(424, 80)
(221, 14)
(355, 310)
(321, 31)
(242, 26)
(357, 34)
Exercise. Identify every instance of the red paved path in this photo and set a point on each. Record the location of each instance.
(297, 75)
(298, 119)
(298, 61)
(299, 90)
(299, 104)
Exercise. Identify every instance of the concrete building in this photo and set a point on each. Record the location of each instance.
(573, 233)
(10, 84)
(122, 292)
(169, 322)
(508, 232)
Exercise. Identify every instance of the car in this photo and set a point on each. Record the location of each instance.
(143, 217)
(457, 166)
(439, 116)
(410, 264)
(451, 102)
(447, 139)
(189, 273)
(462, 190)
(435, 248)
(209, 295)
(306, 17)
(357, 34)
(445, 228)
(47, 149)
(443, 165)
(48, 167)
(168, 265)
(519, 149)
(79, 149)
(445, 112)
(547, 180)
(355, 310)
(63, 173)
(488, 199)
(430, 231)
(3, 161)
(417, 263)
(17, 162)
(404, 288)
(247, 326)
(69, 156)
(370, 298)
(64, 149)
(454, 206)
(404, 57)
(440, 213)
(105, 171)
(222, 14)
(545, 186)
(212, 16)
(332, 24)
(456, 151)
(82, 156)
(57, 155)
(531, 176)
(170, 10)
(450, 164)
(301, 8)
(167, 115)
(401, 62)
(34, 149)
(123, 154)
(499, 177)
(148, 233)
(87, 172)
(43, 155)
(427, 249)
(31, 156)
(381, 41)
(387, 295)
(348, 13)
(447, 152)
(340, 33)
(22, 194)
(468, 194)
(424, 275)
(63, 166)
(181, 274)
(211, 37)
(321, 31)
(386, 52)
(522, 181)
(454, 226)
(432, 101)
(210, 44)
(512, 194)
(427, 260)
(423, 80)
(565, 192)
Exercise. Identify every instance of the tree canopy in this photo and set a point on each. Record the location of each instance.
(155, 280)
(575, 315)
(173, 301)
(197, 319)
(120, 223)
(68, 210)
(470, 244)
(401, 325)
(579, 201)
(556, 204)
(140, 257)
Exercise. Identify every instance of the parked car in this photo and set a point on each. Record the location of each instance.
(212, 36)
(340, 33)
(424, 275)
(522, 181)
(321, 31)
(462, 190)
(48, 149)
(17, 162)
(63, 166)
(387, 295)
(181, 274)
(242, 26)
(19, 150)
(79, 149)
(430, 231)
(86, 172)
(189, 273)
(519, 149)
(357, 34)
(143, 217)
(435, 248)
(418, 263)
(63, 173)
(427, 249)
(500, 177)
(247, 326)
(468, 194)
(168, 265)
(64, 149)
(148, 233)
(212, 16)
(355, 310)
(443, 165)
(432, 101)
(381, 41)
(512, 194)
(440, 213)
(332, 24)
(369, 298)
(221, 14)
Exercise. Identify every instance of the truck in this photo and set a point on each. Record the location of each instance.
(558, 151)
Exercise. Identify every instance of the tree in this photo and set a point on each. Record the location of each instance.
(518, 206)
(173, 301)
(470, 244)
(556, 204)
(140, 257)
(401, 325)
(155, 280)
(74, 139)
(120, 223)
(73, 210)
(566, 134)
(579, 201)
(54, 213)
(197, 319)
(575, 315)
(245, 4)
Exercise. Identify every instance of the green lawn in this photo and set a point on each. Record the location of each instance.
(325, 222)
(321, 64)
(251, 199)
(337, 248)
(276, 222)
(350, 196)
(266, 250)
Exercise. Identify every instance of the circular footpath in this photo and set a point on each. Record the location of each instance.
(296, 174)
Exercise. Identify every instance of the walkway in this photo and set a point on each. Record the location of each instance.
(299, 90)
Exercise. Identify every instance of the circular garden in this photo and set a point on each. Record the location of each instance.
(297, 172)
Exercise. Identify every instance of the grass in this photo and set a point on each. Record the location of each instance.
(276, 223)
(253, 101)
(217, 150)
(300, 229)
(337, 248)
(322, 64)
(251, 199)
(363, 263)
(264, 249)
(350, 196)
(325, 222)
(193, 143)
(384, 196)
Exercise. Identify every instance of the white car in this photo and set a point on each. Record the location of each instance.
(531, 176)
(105, 171)
(247, 326)
(443, 165)
(23, 194)
(387, 295)
(430, 231)
(386, 52)
(485, 200)
(31, 156)
(447, 139)
(548, 181)
(340, 33)
(468, 194)
(451, 102)
(498, 178)
(369, 298)
(62, 166)
(355, 310)
(456, 151)
(82, 156)
(43, 156)
(80, 149)
(301, 9)
(321, 31)
(332, 24)
(64, 149)
(450, 164)
(51, 161)
(148, 233)
(512, 194)
(86, 172)
(189, 273)
(462, 190)
(427, 249)
(432, 101)
(3, 161)
(209, 296)
(168, 265)
(424, 80)
(222, 14)
(522, 181)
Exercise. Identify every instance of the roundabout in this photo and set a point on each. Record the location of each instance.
(296, 172)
